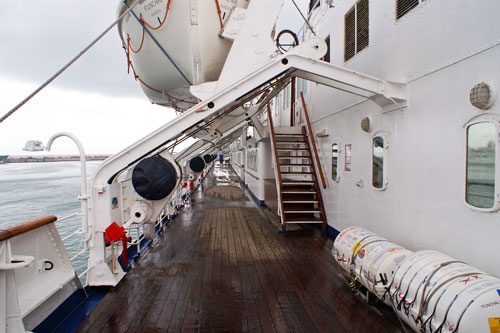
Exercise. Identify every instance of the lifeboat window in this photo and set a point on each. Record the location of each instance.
(356, 29)
(335, 161)
(404, 6)
(480, 178)
(378, 162)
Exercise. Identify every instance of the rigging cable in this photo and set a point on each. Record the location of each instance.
(71, 62)
(305, 20)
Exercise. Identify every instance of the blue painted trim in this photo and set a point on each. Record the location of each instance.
(133, 255)
(80, 304)
(74, 310)
(254, 197)
(332, 232)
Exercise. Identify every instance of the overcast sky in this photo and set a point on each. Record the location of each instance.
(95, 99)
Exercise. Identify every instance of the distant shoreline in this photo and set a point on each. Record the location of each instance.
(4, 159)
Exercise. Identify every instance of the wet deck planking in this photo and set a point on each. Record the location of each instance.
(221, 265)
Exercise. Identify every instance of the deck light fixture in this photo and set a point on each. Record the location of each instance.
(37, 145)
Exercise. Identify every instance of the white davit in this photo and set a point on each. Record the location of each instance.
(370, 259)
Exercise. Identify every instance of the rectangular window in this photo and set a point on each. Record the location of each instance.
(252, 159)
(356, 29)
(404, 6)
(480, 182)
(378, 162)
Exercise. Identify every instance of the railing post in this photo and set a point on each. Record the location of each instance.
(311, 135)
(277, 163)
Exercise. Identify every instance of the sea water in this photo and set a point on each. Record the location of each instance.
(31, 190)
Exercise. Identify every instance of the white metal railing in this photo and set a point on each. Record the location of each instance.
(79, 254)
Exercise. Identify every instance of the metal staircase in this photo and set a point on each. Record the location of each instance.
(297, 184)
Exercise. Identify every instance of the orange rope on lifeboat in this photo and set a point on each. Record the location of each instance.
(219, 12)
(156, 90)
(150, 26)
(161, 23)
(130, 45)
(129, 48)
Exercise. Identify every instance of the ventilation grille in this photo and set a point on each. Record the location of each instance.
(350, 35)
(362, 25)
(404, 6)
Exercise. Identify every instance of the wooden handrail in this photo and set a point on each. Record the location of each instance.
(311, 135)
(24, 227)
(277, 162)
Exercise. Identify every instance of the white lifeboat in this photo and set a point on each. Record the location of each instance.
(174, 44)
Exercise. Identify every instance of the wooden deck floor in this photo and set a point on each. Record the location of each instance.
(222, 266)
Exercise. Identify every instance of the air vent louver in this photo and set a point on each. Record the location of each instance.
(362, 25)
(404, 6)
(350, 35)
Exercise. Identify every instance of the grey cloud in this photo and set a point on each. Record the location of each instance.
(39, 37)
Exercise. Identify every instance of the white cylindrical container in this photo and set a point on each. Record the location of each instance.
(141, 212)
(434, 292)
(369, 258)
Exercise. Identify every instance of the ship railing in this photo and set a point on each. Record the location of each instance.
(78, 254)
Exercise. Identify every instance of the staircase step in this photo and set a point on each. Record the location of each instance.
(312, 211)
(292, 149)
(291, 142)
(289, 135)
(300, 201)
(294, 157)
(299, 191)
(305, 221)
(296, 165)
(296, 182)
(295, 173)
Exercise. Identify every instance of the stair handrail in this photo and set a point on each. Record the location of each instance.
(277, 163)
(311, 135)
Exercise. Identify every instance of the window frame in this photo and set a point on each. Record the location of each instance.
(496, 189)
(385, 179)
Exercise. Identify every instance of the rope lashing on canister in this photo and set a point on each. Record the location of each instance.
(157, 43)
(71, 62)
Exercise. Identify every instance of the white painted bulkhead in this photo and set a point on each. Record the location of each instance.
(442, 49)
